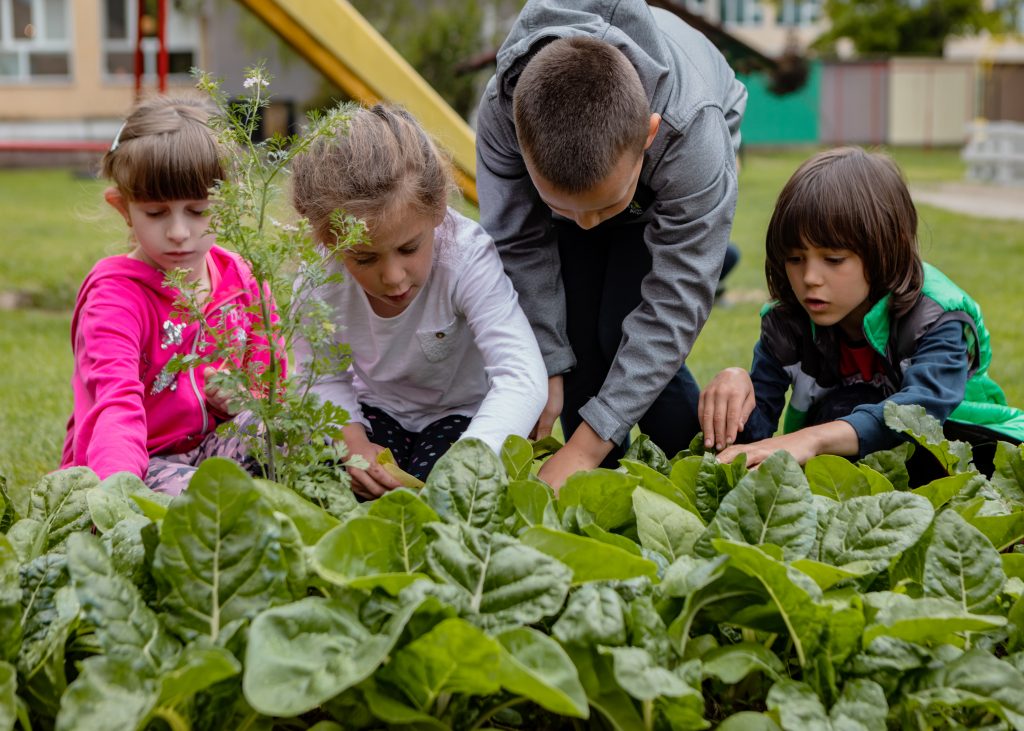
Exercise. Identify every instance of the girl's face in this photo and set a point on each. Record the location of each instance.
(831, 286)
(395, 265)
(168, 234)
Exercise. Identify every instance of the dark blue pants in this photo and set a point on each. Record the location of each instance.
(602, 270)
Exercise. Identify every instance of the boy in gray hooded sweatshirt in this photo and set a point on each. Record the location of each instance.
(606, 145)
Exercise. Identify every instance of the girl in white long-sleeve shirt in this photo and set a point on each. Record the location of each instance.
(440, 347)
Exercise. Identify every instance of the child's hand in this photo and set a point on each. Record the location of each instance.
(219, 399)
(724, 407)
(835, 437)
(374, 481)
(552, 409)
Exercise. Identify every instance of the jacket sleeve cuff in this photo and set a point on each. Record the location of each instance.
(605, 422)
(872, 434)
(559, 362)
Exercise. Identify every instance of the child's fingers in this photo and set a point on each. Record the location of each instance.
(368, 487)
(544, 425)
(382, 478)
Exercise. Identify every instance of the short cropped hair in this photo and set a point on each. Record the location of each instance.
(578, 107)
(848, 198)
(381, 164)
(166, 151)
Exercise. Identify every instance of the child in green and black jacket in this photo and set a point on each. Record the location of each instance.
(858, 320)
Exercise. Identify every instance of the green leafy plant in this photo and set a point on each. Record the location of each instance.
(296, 437)
(779, 598)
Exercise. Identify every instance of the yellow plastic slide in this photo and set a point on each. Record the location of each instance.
(345, 48)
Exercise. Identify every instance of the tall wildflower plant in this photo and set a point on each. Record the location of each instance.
(294, 436)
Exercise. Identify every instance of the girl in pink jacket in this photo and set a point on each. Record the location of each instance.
(131, 412)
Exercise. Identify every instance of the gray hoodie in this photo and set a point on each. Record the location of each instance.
(689, 172)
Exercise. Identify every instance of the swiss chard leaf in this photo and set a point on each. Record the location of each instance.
(517, 457)
(892, 464)
(468, 484)
(926, 620)
(976, 680)
(836, 478)
(588, 559)
(301, 654)
(536, 667)
(220, 557)
(771, 504)
(875, 528)
(960, 564)
(663, 526)
(594, 615)
(926, 431)
(605, 494)
(10, 601)
(502, 582)
(59, 502)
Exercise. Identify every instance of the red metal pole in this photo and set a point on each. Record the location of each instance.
(162, 59)
(140, 11)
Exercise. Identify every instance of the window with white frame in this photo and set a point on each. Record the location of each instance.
(798, 13)
(34, 40)
(120, 25)
(742, 12)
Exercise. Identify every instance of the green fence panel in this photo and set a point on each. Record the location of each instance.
(789, 119)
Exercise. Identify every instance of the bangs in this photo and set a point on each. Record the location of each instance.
(183, 165)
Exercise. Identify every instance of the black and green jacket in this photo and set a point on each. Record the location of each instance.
(937, 355)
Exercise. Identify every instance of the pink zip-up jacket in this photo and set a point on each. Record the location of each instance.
(123, 333)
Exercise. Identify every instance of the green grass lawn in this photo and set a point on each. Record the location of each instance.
(57, 225)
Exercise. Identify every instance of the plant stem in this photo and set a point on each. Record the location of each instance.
(173, 719)
(490, 712)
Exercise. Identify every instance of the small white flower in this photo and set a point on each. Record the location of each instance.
(253, 81)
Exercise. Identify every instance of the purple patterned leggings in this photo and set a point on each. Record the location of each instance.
(170, 473)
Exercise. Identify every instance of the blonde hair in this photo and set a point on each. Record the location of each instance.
(165, 151)
(381, 162)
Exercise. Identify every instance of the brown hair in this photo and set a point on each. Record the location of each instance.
(579, 106)
(847, 198)
(380, 161)
(165, 151)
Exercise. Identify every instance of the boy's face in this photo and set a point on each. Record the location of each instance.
(608, 198)
(831, 286)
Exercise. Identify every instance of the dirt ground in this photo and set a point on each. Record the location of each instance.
(974, 199)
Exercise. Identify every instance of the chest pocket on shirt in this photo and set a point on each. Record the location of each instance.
(439, 343)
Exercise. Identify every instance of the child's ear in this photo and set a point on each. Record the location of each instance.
(652, 129)
(113, 196)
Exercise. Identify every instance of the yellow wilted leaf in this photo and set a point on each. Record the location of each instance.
(387, 460)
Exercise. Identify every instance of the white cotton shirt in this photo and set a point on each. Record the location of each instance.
(462, 346)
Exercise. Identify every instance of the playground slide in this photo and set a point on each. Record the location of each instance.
(344, 47)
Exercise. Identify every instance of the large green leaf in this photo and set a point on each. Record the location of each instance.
(974, 680)
(108, 695)
(302, 654)
(796, 596)
(367, 551)
(220, 557)
(1002, 530)
(469, 484)
(663, 526)
(589, 559)
(733, 663)
(130, 545)
(594, 615)
(107, 508)
(656, 482)
(502, 581)
(605, 494)
(311, 520)
(59, 502)
(826, 575)
(597, 676)
(941, 491)
(771, 504)
(10, 601)
(636, 673)
(534, 502)
(646, 452)
(517, 457)
(393, 711)
(926, 620)
(536, 667)
(714, 481)
(8, 696)
(875, 528)
(892, 464)
(960, 564)
(836, 478)
(197, 667)
(405, 509)
(1008, 478)
(49, 610)
(926, 431)
(453, 657)
(748, 721)
(860, 707)
(28, 539)
(125, 627)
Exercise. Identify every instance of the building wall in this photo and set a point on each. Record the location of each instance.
(854, 103)
(930, 101)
